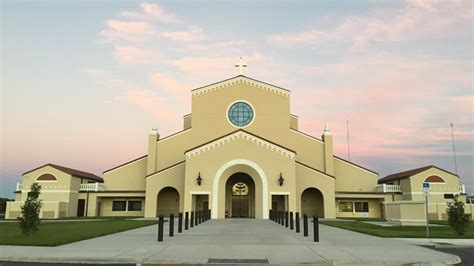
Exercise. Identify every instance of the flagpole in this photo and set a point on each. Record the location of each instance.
(454, 149)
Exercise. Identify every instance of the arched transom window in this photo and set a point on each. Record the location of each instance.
(240, 189)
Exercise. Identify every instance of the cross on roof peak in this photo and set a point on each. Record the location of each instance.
(241, 66)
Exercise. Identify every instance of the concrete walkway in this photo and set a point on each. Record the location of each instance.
(238, 239)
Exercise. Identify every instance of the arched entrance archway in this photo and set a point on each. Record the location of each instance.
(312, 202)
(240, 196)
(240, 166)
(167, 201)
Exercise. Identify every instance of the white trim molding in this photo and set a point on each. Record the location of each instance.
(257, 168)
(200, 192)
(240, 80)
(243, 136)
(280, 193)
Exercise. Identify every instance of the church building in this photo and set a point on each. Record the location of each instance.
(240, 154)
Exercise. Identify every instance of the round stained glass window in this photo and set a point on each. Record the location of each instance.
(240, 114)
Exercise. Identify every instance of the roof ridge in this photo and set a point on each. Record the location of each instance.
(71, 171)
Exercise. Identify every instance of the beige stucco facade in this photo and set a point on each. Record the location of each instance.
(240, 132)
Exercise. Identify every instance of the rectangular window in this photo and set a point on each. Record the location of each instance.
(134, 205)
(361, 206)
(449, 196)
(345, 206)
(119, 206)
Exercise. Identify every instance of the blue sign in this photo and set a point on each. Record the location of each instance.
(426, 185)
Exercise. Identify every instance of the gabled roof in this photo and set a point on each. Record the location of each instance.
(406, 174)
(240, 133)
(131, 161)
(240, 79)
(73, 172)
(358, 165)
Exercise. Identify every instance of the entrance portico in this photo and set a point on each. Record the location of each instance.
(247, 170)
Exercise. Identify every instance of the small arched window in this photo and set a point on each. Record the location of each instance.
(434, 179)
(240, 189)
(46, 177)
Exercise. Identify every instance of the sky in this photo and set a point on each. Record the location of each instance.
(83, 82)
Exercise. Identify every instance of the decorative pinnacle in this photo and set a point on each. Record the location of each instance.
(326, 127)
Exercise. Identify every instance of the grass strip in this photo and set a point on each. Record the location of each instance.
(60, 233)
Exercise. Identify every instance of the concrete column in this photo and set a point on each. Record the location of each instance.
(328, 152)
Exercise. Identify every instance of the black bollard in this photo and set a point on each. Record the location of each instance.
(305, 224)
(209, 214)
(186, 221)
(195, 218)
(297, 221)
(180, 222)
(191, 224)
(282, 218)
(316, 228)
(287, 218)
(291, 220)
(171, 225)
(160, 228)
(201, 217)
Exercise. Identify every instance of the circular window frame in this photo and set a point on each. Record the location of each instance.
(243, 101)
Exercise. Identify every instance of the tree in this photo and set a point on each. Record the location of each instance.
(29, 220)
(457, 219)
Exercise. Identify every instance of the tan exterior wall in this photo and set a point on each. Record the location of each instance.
(375, 208)
(406, 213)
(59, 197)
(350, 178)
(187, 122)
(107, 207)
(308, 178)
(437, 190)
(128, 177)
(173, 177)
(294, 122)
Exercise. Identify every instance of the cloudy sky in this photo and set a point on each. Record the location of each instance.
(83, 82)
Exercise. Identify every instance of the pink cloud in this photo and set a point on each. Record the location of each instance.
(151, 11)
(214, 65)
(129, 55)
(149, 102)
(193, 33)
(417, 20)
(127, 30)
(171, 85)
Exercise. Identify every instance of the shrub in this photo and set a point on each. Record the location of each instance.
(29, 220)
(457, 219)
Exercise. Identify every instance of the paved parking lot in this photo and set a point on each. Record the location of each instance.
(234, 239)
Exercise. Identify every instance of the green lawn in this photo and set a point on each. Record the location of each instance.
(401, 231)
(59, 233)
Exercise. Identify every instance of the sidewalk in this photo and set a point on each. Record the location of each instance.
(234, 239)
(437, 241)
